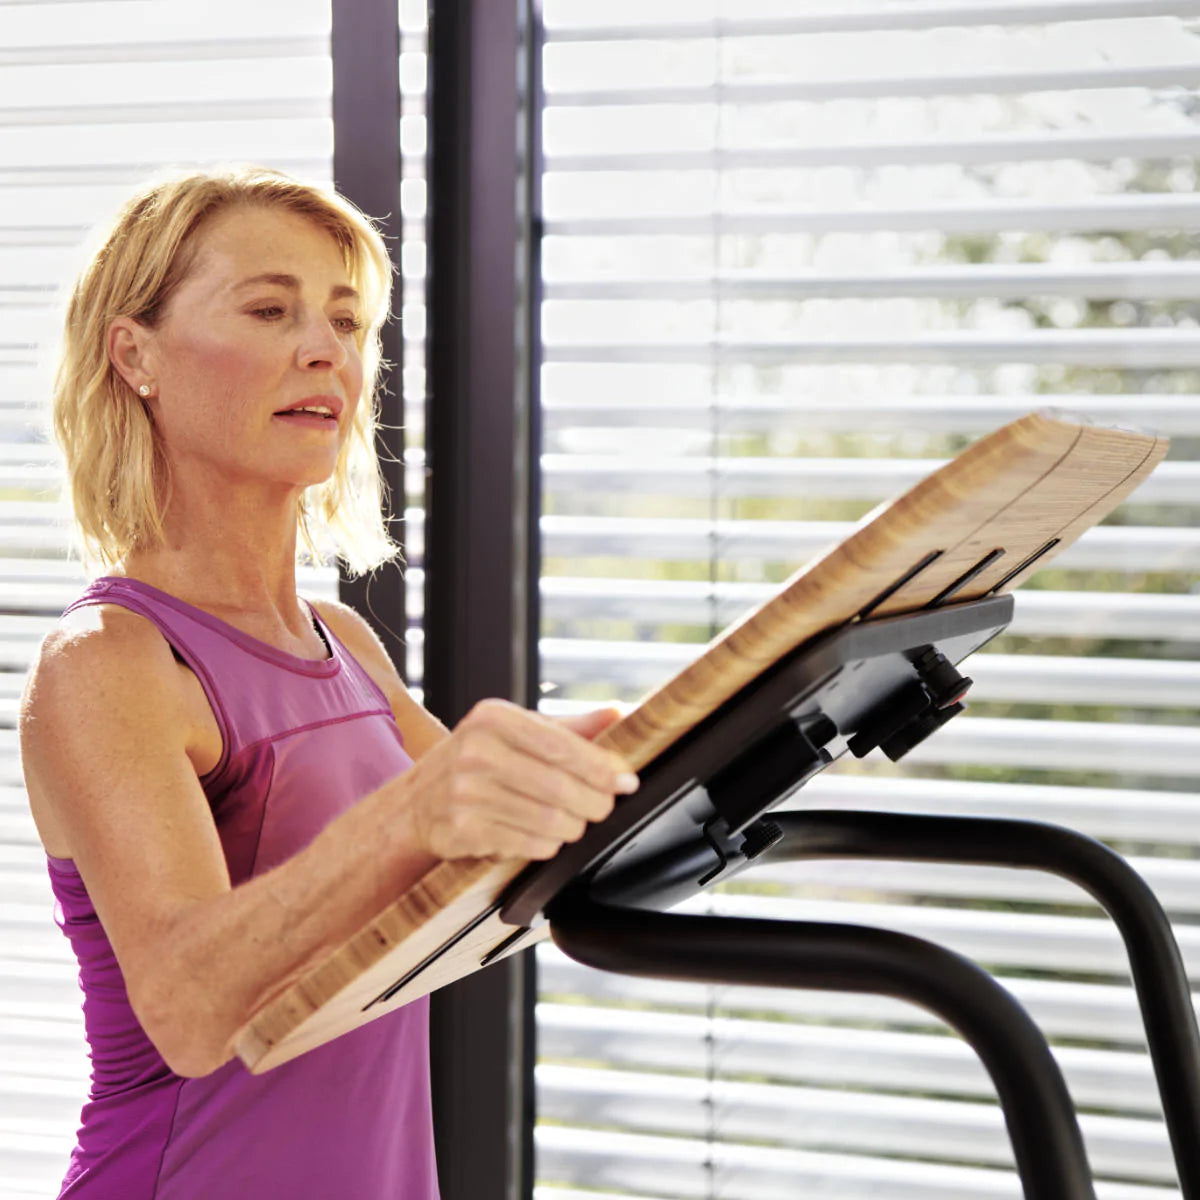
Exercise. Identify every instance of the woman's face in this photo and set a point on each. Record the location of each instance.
(265, 321)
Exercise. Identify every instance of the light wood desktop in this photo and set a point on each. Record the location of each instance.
(978, 526)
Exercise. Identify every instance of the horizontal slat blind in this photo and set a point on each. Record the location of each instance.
(93, 97)
(796, 255)
(414, 82)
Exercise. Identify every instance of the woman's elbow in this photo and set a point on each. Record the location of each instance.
(184, 1035)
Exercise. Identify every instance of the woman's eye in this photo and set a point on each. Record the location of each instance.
(271, 312)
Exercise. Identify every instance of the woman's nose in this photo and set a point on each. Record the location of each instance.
(320, 344)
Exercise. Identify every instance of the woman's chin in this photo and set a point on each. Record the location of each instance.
(311, 471)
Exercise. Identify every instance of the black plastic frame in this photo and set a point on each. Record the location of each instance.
(849, 674)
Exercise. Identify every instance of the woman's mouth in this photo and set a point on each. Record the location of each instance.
(318, 416)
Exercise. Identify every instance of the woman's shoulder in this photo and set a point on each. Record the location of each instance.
(97, 654)
(97, 635)
(104, 685)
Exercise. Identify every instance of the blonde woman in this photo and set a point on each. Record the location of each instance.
(229, 779)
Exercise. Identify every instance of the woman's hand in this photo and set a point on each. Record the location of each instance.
(510, 783)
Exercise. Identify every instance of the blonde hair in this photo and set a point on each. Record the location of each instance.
(116, 468)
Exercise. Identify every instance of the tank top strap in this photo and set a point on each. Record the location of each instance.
(256, 691)
(189, 640)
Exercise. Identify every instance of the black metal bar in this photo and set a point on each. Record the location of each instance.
(473, 632)
(1047, 1144)
(1158, 970)
(365, 49)
(476, 538)
(481, 1092)
(532, 358)
(528, 683)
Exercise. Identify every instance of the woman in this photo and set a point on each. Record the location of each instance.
(221, 772)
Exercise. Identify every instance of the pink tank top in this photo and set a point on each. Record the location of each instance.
(303, 741)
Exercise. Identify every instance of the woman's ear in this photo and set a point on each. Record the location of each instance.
(128, 347)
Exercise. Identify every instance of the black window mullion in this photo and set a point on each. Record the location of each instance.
(478, 526)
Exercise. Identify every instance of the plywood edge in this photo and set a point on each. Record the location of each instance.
(491, 940)
(1028, 449)
(727, 665)
(1155, 449)
(409, 924)
(1056, 413)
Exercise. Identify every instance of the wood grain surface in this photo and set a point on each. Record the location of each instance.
(1033, 485)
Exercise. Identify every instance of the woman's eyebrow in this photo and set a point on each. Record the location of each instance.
(292, 283)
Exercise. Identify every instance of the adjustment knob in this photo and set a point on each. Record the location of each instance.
(946, 686)
(760, 837)
(917, 730)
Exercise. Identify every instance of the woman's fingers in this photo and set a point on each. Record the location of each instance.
(509, 813)
(543, 738)
(520, 843)
(492, 821)
(592, 724)
(540, 783)
(522, 792)
(514, 784)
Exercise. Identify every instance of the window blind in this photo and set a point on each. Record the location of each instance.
(796, 254)
(414, 84)
(94, 97)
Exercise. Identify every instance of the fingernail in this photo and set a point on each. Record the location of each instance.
(627, 782)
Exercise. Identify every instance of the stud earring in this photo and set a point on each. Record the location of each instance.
(144, 390)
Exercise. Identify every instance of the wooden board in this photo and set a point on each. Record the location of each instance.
(980, 524)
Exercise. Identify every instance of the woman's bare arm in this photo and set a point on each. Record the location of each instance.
(104, 732)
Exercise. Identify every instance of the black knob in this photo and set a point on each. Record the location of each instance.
(941, 677)
(760, 837)
(917, 730)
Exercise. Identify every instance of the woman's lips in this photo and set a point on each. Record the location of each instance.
(316, 420)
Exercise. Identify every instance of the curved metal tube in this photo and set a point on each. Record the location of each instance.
(1037, 1108)
(1159, 976)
